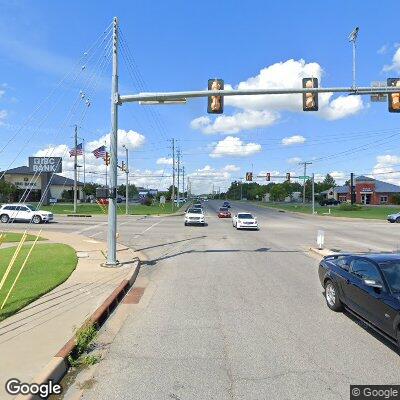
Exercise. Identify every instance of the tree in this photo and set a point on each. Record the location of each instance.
(169, 193)
(329, 181)
(7, 190)
(90, 189)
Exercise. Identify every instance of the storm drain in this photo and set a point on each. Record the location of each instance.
(134, 295)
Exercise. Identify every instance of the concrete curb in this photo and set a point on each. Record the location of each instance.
(58, 365)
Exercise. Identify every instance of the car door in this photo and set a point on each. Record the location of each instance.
(24, 213)
(370, 301)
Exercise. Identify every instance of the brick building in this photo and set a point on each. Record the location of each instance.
(368, 191)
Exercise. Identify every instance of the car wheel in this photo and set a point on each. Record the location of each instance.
(332, 296)
(36, 219)
(185, 223)
(398, 220)
(4, 218)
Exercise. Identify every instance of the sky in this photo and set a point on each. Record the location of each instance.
(55, 72)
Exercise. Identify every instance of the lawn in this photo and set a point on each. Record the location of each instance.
(48, 266)
(90, 209)
(365, 212)
(9, 237)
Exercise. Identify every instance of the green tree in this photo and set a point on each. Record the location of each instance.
(7, 190)
(329, 181)
(90, 189)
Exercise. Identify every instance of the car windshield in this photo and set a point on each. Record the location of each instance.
(195, 211)
(222, 209)
(197, 205)
(30, 207)
(245, 216)
(391, 271)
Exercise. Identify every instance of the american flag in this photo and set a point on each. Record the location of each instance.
(78, 150)
(100, 152)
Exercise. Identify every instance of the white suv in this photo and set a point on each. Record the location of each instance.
(194, 216)
(23, 212)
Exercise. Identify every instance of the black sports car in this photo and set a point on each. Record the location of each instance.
(367, 285)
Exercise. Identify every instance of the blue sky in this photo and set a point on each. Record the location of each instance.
(179, 45)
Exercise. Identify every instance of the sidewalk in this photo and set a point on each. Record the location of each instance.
(30, 338)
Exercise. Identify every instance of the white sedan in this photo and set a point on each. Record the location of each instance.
(195, 216)
(245, 220)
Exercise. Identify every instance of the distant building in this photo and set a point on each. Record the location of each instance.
(30, 185)
(367, 190)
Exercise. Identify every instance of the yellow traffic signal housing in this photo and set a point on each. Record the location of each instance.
(215, 103)
(394, 98)
(107, 159)
(268, 176)
(310, 100)
(249, 176)
(288, 176)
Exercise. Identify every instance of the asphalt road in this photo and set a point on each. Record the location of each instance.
(235, 314)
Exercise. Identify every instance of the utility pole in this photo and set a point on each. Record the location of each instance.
(179, 169)
(352, 188)
(241, 190)
(305, 163)
(84, 169)
(313, 195)
(173, 173)
(112, 201)
(127, 180)
(75, 168)
(183, 183)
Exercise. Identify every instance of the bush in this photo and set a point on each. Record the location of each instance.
(350, 207)
(395, 199)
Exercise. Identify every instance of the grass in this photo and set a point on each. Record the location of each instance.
(380, 212)
(48, 266)
(84, 338)
(93, 209)
(10, 237)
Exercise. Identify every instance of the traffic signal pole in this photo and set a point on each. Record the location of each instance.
(112, 201)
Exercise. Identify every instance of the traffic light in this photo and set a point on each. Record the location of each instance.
(249, 176)
(122, 166)
(394, 98)
(107, 158)
(288, 176)
(310, 100)
(215, 103)
(268, 176)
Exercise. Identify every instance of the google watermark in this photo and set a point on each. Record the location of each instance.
(374, 392)
(15, 387)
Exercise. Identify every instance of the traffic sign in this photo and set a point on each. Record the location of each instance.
(303, 177)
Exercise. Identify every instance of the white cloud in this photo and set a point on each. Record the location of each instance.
(383, 49)
(3, 116)
(2, 92)
(234, 147)
(341, 107)
(395, 65)
(294, 160)
(339, 177)
(295, 139)
(231, 168)
(164, 161)
(95, 168)
(264, 110)
(248, 119)
(386, 167)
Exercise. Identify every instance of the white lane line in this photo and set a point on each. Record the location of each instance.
(147, 229)
(90, 228)
(95, 234)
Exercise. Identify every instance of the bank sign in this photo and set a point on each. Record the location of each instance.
(45, 164)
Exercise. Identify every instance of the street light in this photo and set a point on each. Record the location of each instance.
(127, 179)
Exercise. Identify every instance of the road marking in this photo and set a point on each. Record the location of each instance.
(90, 228)
(147, 229)
(95, 234)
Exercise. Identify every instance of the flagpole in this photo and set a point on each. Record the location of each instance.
(84, 169)
(75, 167)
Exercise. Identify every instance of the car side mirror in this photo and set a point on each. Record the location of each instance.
(373, 284)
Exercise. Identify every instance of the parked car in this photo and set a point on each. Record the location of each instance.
(195, 216)
(368, 286)
(23, 212)
(224, 213)
(329, 202)
(394, 218)
(245, 220)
